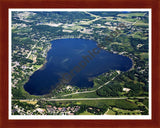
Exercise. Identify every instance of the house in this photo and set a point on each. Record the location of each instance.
(59, 109)
(50, 110)
(70, 113)
(40, 110)
(48, 106)
(14, 110)
(126, 89)
(54, 107)
(63, 109)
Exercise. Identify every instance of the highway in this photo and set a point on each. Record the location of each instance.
(77, 99)
(111, 98)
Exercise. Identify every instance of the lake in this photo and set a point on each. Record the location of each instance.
(74, 62)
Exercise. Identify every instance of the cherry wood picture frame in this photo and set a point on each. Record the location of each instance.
(5, 5)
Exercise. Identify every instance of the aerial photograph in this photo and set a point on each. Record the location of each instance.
(79, 63)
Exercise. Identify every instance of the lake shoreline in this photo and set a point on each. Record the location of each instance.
(58, 45)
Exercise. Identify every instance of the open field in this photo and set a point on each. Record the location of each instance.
(109, 112)
(144, 55)
(126, 112)
(120, 103)
(131, 14)
(29, 102)
(83, 95)
(86, 113)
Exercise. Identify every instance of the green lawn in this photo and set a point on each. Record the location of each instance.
(30, 57)
(97, 103)
(120, 103)
(126, 112)
(131, 14)
(144, 55)
(86, 113)
(110, 112)
(83, 95)
(132, 100)
(37, 66)
(141, 24)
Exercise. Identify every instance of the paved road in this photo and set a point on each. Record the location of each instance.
(31, 51)
(90, 91)
(111, 98)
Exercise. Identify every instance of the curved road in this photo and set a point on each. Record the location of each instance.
(92, 90)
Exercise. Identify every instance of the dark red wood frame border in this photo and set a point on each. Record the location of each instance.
(6, 4)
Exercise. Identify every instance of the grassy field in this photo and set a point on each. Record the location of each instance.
(132, 100)
(41, 48)
(29, 102)
(141, 24)
(131, 14)
(144, 55)
(86, 113)
(126, 112)
(120, 103)
(30, 57)
(37, 66)
(83, 95)
(97, 103)
(110, 112)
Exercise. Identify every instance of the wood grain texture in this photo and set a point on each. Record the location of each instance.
(6, 4)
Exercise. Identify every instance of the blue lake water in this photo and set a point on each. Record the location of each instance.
(74, 62)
